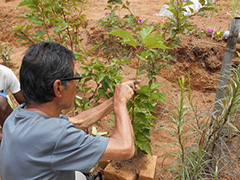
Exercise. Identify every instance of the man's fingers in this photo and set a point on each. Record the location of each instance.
(135, 89)
(133, 83)
(129, 83)
(135, 80)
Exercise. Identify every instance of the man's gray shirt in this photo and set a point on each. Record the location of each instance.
(35, 146)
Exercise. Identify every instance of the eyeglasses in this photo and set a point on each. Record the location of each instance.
(76, 77)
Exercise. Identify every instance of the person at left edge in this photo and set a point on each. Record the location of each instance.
(8, 81)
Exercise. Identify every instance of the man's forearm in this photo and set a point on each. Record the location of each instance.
(121, 144)
(89, 117)
(123, 127)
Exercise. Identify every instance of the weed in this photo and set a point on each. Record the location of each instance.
(204, 148)
(235, 11)
(5, 52)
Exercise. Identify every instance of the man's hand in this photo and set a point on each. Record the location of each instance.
(125, 91)
(121, 143)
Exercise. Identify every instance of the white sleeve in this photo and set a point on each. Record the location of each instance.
(13, 83)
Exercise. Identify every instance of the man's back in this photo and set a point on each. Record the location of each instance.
(57, 147)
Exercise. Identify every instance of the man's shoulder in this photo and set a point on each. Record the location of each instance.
(60, 121)
(35, 124)
(37, 119)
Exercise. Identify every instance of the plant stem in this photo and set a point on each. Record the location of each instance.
(180, 120)
(68, 32)
(26, 37)
(128, 9)
(138, 62)
(44, 21)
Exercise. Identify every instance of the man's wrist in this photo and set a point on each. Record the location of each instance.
(119, 100)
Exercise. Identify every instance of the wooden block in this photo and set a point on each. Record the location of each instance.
(103, 164)
(147, 172)
(112, 173)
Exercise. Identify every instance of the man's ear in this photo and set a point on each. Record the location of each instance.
(57, 88)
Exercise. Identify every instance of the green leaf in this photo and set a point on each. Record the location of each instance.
(238, 54)
(142, 58)
(95, 133)
(140, 137)
(172, 33)
(39, 33)
(156, 85)
(154, 41)
(10, 102)
(100, 78)
(101, 133)
(111, 122)
(93, 49)
(60, 28)
(187, 3)
(140, 115)
(157, 96)
(145, 32)
(143, 96)
(19, 27)
(26, 3)
(174, 20)
(47, 10)
(101, 92)
(150, 116)
(127, 37)
(56, 21)
(148, 106)
(78, 102)
(114, 2)
(94, 130)
(147, 148)
(146, 133)
(144, 89)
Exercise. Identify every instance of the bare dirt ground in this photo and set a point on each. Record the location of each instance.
(202, 57)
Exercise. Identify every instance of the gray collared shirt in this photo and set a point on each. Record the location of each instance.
(35, 146)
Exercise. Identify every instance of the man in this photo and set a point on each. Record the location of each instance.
(8, 81)
(40, 143)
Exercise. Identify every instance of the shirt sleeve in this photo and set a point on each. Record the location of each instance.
(76, 150)
(13, 83)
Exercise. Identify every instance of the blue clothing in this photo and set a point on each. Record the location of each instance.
(4, 95)
(35, 146)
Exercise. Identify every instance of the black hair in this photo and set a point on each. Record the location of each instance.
(42, 64)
